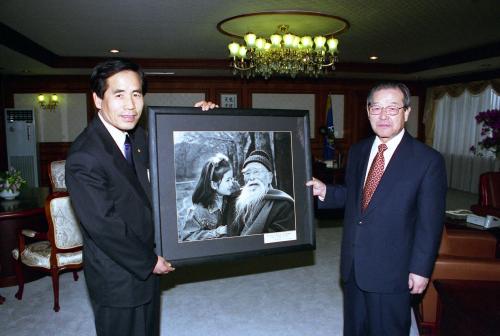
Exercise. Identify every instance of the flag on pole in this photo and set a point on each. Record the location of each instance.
(328, 145)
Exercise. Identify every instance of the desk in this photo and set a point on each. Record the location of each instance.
(468, 307)
(461, 224)
(24, 212)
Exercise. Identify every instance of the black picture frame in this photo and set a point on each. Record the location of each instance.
(169, 127)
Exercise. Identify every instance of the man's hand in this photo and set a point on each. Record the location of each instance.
(206, 105)
(417, 283)
(319, 188)
(162, 266)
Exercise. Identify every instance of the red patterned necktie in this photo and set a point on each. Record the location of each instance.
(374, 176)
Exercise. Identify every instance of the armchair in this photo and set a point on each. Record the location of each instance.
(489, 195)
(465, 255)
(54, 251)
(57, 175)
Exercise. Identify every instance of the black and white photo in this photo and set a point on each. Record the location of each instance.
(228, 182)
(233, 184)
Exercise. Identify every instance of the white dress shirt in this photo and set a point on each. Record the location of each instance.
(391, 148)
(117, 135)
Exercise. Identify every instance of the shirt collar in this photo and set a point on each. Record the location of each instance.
(117, 135)
(393, 143)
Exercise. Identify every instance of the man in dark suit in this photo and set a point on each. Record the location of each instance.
(107, 178)
(394, 198)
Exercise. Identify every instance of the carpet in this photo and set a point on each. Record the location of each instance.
(292, 294)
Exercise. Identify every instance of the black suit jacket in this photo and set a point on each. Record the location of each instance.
(113, 205)
(401, 229)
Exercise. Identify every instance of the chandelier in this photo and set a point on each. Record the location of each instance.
(284, 53)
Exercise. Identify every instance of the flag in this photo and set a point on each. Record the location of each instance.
(328, 145)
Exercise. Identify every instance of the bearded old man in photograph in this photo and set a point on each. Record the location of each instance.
(260, 208)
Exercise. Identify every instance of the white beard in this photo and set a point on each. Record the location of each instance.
(248, 202)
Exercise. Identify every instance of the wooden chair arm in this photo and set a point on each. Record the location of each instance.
(34, 234)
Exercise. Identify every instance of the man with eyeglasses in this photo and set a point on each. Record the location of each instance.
(394, 198)
(260, 208)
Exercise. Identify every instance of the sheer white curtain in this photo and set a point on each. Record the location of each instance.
(456, 131)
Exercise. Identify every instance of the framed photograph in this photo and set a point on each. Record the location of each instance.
(229, 100)
(229, 182)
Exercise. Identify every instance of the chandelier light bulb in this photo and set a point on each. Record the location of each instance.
(233, 49)
(260, 43)
(242, 52)
(288, 40)
(332, 44)
(250, 39)
(307, 41)
(319, 41)
(276, 40)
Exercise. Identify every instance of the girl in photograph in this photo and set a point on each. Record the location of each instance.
(206, 218)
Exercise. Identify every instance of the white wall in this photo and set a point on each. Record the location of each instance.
(286, 101)
(61, 125)
(173, 99)
(338, 115)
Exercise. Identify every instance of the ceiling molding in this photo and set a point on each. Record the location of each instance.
(20, 43)
(458, 57)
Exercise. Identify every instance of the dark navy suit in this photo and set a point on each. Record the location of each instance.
(400, 231)
(113, 203)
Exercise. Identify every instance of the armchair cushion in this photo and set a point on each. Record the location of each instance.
(38, 255)
(57, 175)
(66, 228)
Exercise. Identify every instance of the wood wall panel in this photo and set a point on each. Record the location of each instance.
(356, 125)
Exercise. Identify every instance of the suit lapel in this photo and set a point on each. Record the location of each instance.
(140, 159)
(120, 163)
(400, 162)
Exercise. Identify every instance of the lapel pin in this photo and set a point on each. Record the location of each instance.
(138, 150)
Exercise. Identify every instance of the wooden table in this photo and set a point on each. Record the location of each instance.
(468, 307)
(24, 212)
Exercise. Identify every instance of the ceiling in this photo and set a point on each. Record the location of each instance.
(417, 39)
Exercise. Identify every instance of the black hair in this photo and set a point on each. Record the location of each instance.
(213, 170)
(110, 67)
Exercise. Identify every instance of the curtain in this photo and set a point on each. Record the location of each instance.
(456, 130)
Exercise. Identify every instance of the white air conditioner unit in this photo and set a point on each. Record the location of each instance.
(20, 132)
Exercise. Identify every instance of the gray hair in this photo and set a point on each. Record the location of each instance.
(400, 86)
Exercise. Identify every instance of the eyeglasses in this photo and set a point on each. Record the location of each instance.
(391, 110)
